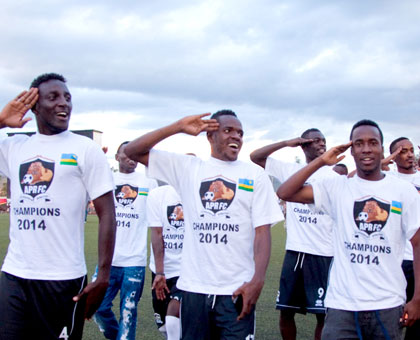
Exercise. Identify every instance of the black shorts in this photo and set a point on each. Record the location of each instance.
(40, 309)
(208, 317)
(160, 307)
(303, 283)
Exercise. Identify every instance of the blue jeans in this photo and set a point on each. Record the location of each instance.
(130, 281)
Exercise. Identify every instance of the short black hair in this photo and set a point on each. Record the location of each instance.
(342, 165)
(368, 122)
(45, 77)
(220, 113)
(392, 145)
(123, 143)
(307, 132)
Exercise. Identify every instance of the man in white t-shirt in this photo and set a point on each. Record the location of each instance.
(374, 214)
(309, 250)
(165, 216)
(229, 207)
(130, 253)
(406, 169)
(52, 175)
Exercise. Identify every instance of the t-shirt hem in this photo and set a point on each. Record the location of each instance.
(309, 251)
(366, 306)
(37, 276)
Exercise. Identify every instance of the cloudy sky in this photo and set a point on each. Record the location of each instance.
(282, 66)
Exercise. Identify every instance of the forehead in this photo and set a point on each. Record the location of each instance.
(229, 121)
(315, 135)
(405, 144)
(53, 85)
(366, 132)
(121, 150)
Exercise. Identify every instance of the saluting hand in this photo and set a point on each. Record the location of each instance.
(332, 156)
(13, 113)
(299, 141)
(195, 124)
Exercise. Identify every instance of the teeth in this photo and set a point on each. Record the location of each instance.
(62, 114)
(233, 145)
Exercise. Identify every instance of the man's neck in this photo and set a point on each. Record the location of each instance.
(408, 171)
(376, 175)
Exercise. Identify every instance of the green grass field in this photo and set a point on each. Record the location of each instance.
(267, 316)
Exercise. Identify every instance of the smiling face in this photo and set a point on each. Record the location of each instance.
(316, 148)
(53, 108)
(405, 160)
(367, 152)
(226, 142)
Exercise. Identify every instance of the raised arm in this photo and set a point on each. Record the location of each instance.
(14, 111)
(139, 148)
(412, 308)
(250, 291)
(295, 190)
(159, 283)
(260, 156)
(95, 291)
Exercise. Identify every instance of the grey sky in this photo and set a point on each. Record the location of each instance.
(283, 66)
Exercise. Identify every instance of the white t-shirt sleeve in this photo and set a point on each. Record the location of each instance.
(323, 193)
(411, 213)
(154, 201)
(281, 170)
(169, 167)
(5, 147)
(96, 173)
(265, 206)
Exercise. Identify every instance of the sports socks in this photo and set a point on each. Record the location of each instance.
(173, 327)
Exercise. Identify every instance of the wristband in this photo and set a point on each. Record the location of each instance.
(163, 274)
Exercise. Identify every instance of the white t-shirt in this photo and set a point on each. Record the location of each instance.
(164, 209)
(308, 231)
(223, 203)
(130, 194)
(51, 178)
(415, 180)
(373, 220)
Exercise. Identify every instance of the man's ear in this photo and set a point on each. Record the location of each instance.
(34, 108)
(117, 158)
(351, 150)
(210, 136)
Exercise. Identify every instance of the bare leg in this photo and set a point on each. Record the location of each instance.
(320, 318)
(287, 325)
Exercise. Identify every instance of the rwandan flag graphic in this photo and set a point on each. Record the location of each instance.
(68, 159)
(396, 207)
(143, 191)
(246, 184)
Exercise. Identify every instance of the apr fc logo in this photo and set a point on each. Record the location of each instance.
(176, 215)
(370, 215)
(217, 194)
(36, 176)
(125, 194)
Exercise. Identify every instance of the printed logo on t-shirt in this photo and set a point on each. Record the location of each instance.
(125, 194)
(217, 194)
(36, 176)
(176, 215)
(371, 215)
